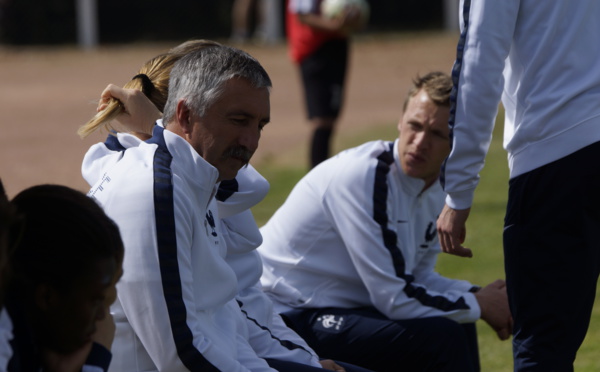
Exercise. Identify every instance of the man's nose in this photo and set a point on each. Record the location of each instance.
(250, 137)
(422, 140)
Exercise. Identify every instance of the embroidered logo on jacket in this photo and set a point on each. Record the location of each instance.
(430, 233)
(330, 323)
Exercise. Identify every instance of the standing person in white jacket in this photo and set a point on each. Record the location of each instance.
(349, 258)
(542, 60)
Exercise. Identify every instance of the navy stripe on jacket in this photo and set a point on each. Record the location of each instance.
(167, 253)
(390, 238)
(456, 70)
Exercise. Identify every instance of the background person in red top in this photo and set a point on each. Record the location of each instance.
(320, 47)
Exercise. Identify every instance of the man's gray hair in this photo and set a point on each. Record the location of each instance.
(199, 77)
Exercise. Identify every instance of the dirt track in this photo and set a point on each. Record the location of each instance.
(45, 94)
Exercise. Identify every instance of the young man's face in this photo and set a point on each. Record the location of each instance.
(70, 317)
(227, 135)
(424, 138)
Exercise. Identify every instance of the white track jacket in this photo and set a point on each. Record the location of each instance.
(176, 308)
(541, 58)
(355, 232)
(267, 333)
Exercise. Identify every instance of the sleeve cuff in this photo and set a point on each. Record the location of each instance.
(474, 305)
(460, 200)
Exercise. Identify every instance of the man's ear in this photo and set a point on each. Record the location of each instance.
(184, 120)
(46, 297)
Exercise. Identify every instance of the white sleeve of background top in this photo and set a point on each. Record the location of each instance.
(349, 203)
(487, 42)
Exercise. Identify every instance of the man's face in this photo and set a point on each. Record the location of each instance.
(228, 133)
(71, 316)
(424, 138)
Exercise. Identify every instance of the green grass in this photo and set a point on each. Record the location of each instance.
(484, 236)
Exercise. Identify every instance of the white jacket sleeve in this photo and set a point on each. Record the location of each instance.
(486, 37)
(450, 288)
(426, 274)
(248, 358)
(269, 336)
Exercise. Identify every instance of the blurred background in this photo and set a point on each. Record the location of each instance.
(56, 56)
(35, 22)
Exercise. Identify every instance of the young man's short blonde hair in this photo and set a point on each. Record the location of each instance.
(437, 85)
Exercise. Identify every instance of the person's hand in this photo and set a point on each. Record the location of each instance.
(493, 302)
(139, 113)
(452, 231)
(73, 362)
(331, 365)
(105, 331)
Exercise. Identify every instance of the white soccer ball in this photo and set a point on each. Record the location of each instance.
(335, 8)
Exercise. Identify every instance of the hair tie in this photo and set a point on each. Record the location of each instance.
(147, 86)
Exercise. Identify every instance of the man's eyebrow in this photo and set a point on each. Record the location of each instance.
(241, 112)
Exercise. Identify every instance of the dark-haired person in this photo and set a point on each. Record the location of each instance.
(65, 262)
(349, 258)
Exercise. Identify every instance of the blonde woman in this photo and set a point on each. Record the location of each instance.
(146, 94)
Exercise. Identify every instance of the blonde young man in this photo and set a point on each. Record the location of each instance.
(349, 258)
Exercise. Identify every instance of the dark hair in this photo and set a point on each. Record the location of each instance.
(437, 85)
(62, 233)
